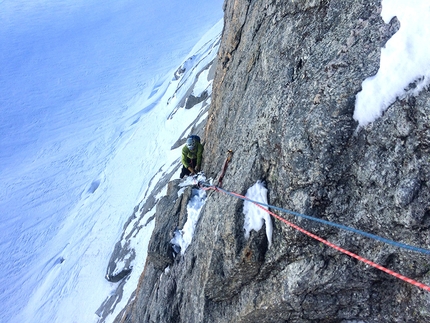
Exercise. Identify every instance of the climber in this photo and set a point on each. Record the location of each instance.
(192, 156)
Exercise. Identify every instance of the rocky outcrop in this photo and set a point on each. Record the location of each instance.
(283, 100)
(171, 215)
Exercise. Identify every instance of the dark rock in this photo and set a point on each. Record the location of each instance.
(283, 100)
(407, 191)
(193, 100)
(170, 215)
(117, 276)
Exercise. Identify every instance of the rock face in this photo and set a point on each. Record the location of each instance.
(283, 100)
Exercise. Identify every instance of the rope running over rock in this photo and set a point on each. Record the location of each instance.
(206, 186)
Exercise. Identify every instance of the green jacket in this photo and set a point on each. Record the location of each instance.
(187, 154)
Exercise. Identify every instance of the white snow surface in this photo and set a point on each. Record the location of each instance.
(183, 238)
(255, 217)
(84, 126)
(404, 59)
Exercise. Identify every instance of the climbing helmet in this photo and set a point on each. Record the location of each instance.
(191, 143)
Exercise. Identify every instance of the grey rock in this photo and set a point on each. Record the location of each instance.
(407, 191)
(170, 215)
(193, 100)
(283, 99)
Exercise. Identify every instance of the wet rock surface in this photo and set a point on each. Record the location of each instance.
(283, 100)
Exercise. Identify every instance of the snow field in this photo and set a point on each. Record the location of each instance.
(183, 238)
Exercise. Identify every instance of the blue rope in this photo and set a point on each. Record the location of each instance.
(333, 224)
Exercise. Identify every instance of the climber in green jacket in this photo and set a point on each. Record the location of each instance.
(192, 156)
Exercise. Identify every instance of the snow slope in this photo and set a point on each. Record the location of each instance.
(80, 123)
(170, 115)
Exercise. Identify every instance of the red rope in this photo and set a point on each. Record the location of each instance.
(366, 261)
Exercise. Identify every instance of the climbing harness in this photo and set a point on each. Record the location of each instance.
(206, 186)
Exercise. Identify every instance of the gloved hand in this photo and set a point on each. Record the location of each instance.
(193, 172)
